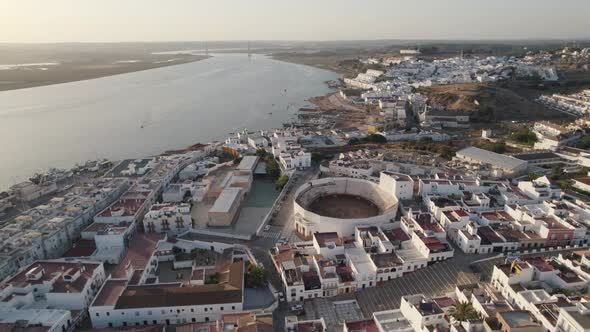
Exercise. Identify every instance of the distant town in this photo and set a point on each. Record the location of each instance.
(426, 192)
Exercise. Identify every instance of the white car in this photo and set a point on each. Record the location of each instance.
(267, 228)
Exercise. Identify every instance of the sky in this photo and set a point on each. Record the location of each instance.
(196, 20)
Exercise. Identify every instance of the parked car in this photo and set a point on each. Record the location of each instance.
(298, 309)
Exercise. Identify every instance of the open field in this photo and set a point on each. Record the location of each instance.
(340, 62)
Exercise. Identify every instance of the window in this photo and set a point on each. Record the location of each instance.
(137, 313)
(97, 314)
(192, 310)
(233, 307)
(205, 309)
(221, 308)
(108, 313)
(149, 312)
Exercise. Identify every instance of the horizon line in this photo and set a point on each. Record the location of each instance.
(560, 39)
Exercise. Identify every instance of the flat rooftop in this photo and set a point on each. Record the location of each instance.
(226, 199)
(492, 158)
(138, 253)
(110, 292)
(248, 163)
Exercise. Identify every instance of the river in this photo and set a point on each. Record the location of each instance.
(60, 125)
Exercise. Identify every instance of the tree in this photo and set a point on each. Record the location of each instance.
(272, 167)
(463, 312)
(563, 291)
(316, 157)
(255, 277)
(585, 142)
(446, 152)
(237, 160)
(525, 136)
(212, 279)
(261, 153)
(499, 147)
(376, 138)
(354, 141)
(281, 182)
(533, 176)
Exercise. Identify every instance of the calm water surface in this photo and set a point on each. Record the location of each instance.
(60, 125)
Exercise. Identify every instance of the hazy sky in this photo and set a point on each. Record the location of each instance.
(183, 20)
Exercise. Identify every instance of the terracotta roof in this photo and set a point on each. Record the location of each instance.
(170, 295)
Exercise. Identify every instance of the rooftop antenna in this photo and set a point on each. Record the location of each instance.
(249, 52)
(206, 49)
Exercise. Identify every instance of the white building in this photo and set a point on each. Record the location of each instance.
(295, 159)
(168, 218)
(574, 319)
(503, 164)
(60, 284)
(400, 185)
(31, 320)
(119, 304)
(552, 136)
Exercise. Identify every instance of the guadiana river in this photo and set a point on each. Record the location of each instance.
(60, 125)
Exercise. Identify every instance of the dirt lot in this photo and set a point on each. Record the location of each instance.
(487, 102)
(334, 102)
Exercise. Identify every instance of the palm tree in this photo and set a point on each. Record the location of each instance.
(463, 312)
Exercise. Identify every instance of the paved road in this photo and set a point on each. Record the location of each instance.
(281, 226)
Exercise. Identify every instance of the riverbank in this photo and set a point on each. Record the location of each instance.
(334, 62)
(29, 75)
(145, 113)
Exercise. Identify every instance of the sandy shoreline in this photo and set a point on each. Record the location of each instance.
(22, 78)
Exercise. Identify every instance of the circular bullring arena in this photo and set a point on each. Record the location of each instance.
(340, 204)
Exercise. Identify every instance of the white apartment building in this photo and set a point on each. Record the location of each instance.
(168, 218)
